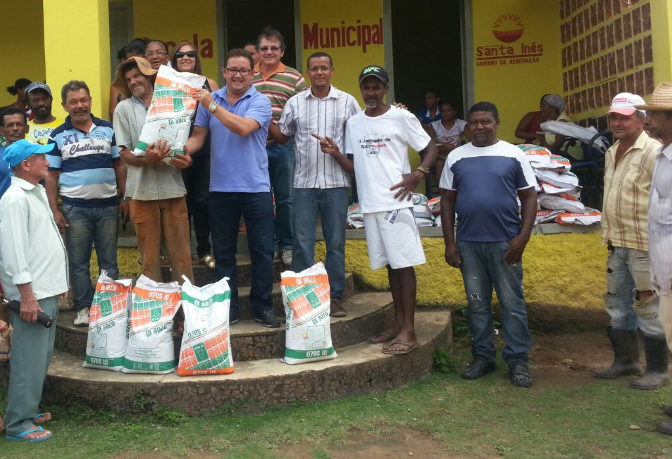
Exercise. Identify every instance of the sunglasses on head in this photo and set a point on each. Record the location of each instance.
(180, 54)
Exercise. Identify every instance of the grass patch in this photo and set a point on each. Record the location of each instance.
(482, 418)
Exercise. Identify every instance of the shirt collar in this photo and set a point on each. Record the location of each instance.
(22, 183)
(667, 151)
(68, 123)
(332, 93)
(279, 69)
(222, 94)
(137, 100)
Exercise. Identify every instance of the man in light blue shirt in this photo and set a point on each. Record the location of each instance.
(237, 116)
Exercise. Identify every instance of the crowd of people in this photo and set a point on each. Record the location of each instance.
(268, 139)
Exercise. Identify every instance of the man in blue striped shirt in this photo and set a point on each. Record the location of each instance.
(86, 166)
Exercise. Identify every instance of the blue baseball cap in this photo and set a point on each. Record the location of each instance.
(21, 149)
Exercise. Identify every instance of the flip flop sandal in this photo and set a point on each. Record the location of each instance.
(41, 415)
(409, 347)
(387, 339)
(20, 436)
(209, 262)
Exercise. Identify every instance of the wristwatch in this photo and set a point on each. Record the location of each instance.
(212, 108)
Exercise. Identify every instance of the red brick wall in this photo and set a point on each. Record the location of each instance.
(606, 49)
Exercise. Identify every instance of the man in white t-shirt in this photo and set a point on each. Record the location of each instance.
(378, 139)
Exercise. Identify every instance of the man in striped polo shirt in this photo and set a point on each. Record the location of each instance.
(320, 183)
(279, 82)
(92, 177)
(631, 300)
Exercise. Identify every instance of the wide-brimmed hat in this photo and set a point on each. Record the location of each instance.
(120, 82)
(661, 99)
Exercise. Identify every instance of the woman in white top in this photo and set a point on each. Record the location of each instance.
(447, 134)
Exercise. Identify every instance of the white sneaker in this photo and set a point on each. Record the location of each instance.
(82, 319)
(287, 257)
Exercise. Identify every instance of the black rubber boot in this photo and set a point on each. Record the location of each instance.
(626, 354)
(657, 360)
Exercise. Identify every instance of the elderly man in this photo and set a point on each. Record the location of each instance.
(630, 299)
(156, 54)
(87, 173)
(481, 182)
(155, 189)
(379, 139)
(321, 185)
(660, 213)
(39, 99)
(237, 116)
(32, 271)
(13, 127)
(279, 82)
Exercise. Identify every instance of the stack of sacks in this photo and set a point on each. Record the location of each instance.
(434, 207)
(355, 217)
(559, 189)
(423, 216)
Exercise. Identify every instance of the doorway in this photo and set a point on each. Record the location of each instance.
(245, 19)
(427, 52)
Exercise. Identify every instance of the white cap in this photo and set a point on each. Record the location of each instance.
(624, 104)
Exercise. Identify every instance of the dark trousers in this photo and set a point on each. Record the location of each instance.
(257, 210)
(197, 181)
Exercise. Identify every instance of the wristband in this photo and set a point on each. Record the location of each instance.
(424, 170)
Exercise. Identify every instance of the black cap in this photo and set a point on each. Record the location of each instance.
(375, 71)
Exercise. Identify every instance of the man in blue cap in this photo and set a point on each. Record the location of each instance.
(32, 271)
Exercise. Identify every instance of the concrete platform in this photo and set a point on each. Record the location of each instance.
(368, 313)
(359, 369)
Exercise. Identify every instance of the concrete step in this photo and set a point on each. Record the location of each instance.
(204, 276)
(72, 339)
(359, 369)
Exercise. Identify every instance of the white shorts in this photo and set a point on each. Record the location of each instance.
(393, 239)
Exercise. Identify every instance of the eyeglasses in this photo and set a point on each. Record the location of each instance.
(181, 54)
(156, 53)
(243, 72)
(275, 49)
(319, 69)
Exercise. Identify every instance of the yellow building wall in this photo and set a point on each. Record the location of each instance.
(22, 32)
(661, 25)
(516, 56)
(350, 31)
(173, 21)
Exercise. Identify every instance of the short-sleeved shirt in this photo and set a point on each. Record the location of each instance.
(238, 164)
(380, 145)
(144, 183)
(487, 181)
(660, 221)
(425, 118)
(39, 133)
(452, 136)
(305, 115)
(282, 84)
(87, 177)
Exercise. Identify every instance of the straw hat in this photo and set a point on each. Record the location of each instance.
(120, 82)
(661, 99)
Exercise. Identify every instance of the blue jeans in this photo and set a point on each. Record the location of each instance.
(482, 267)
(90, 225)
(257, 210)
(281, 173)
(331, 205)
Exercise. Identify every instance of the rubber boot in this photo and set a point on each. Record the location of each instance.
(626, 354)
(657, 360)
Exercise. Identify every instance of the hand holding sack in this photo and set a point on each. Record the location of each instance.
(108, 324)
(306, 296)
(171, 111)
(206, 346)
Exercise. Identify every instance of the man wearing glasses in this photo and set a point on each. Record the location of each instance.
(279, 82)
(320, 183)
(157, 54)
(237, 116)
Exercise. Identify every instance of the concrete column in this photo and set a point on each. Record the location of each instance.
(77, 47)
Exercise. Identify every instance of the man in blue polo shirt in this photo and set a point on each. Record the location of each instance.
(237, 116)
(92, 177)
(480, 183)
